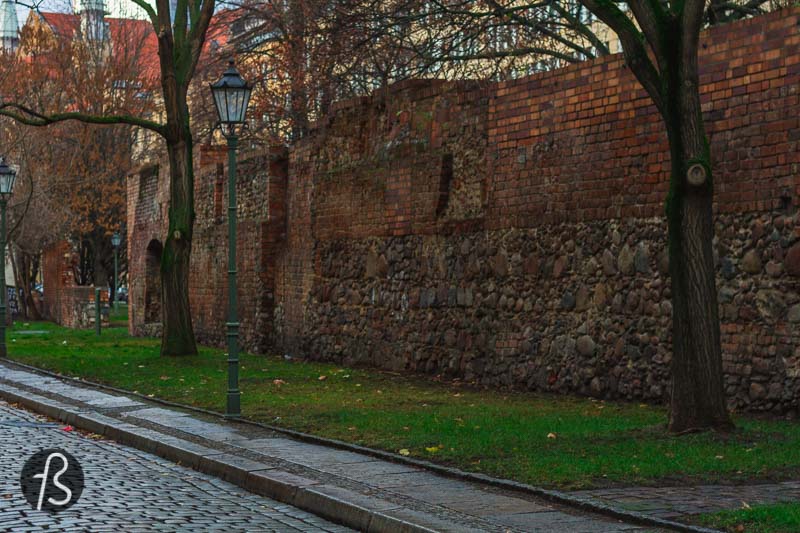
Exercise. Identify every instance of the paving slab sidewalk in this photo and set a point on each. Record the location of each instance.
(353, 489)
(675, 502)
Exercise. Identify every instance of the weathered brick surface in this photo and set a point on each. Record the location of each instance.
(147, 196)
(512, 233)
(587, 144)
(148, 204)
(64, 302)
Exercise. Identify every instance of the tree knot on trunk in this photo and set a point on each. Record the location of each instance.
(697, 174)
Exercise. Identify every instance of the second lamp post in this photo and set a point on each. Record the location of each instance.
(7, 178)
(231, 96)
(116, 239)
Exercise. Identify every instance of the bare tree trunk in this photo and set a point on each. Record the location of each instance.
(29, 270)
(25, 268)
(697, 392)
(177, 337)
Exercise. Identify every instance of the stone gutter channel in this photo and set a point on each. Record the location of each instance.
(363, 488)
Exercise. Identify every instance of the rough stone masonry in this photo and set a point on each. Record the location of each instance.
(509, 233)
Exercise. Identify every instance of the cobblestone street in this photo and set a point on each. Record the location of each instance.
(128, 490)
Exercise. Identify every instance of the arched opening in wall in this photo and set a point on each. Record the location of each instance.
(152, 282)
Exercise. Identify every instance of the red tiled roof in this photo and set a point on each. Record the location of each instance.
(132, 39)
(64, 24)
(137, 36)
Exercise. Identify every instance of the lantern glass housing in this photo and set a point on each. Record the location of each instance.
(231, 97)
(7, 178)
(116, 239)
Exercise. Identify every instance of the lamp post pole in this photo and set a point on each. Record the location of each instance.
(231, 96)
(3, 291)
(116, 288)
(233, 408)
(7, 178)
(115, 240)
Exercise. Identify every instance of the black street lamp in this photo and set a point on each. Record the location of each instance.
(231, 96)
(116, 239)
(7, 178)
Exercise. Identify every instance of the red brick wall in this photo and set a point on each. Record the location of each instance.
(55, 275)
(575, 144)
(261, 182)
(147, 197)
(511, 233)
(64, 302)
(585, 142)
(377, 164)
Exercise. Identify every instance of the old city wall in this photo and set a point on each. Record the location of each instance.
(259, 176)
(64, 302)
(512, 233)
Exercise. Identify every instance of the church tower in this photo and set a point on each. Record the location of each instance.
(9, 27)
(94, 27)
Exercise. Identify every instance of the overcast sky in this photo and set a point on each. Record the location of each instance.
(115, 8)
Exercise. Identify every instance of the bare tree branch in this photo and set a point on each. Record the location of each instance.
(28, 116)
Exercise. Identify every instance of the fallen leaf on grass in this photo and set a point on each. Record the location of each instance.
(432, 449)
(164, 378)
(322, 378)
(551, 435)
(278, 382)
(404, 452)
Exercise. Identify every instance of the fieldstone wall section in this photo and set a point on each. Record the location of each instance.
(511, 233)
(584, 307)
